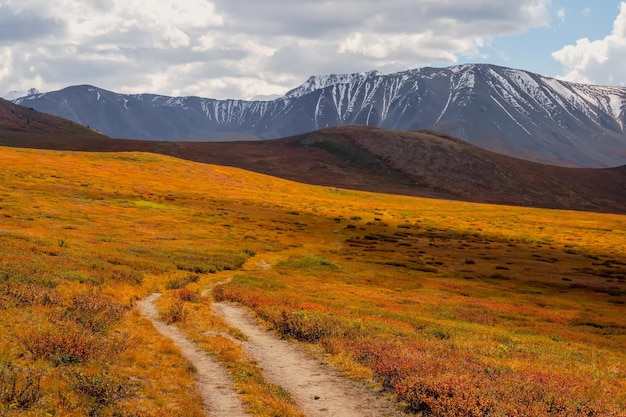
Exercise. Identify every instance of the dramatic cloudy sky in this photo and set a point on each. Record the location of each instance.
(244, 48)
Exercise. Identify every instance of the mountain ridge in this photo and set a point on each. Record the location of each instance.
(506, 110)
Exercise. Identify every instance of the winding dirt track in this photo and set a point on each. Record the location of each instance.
(217, 390)
(317, 389)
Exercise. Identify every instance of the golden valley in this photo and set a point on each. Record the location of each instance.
(456, 309)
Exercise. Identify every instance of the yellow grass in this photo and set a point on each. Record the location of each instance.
(484, 307)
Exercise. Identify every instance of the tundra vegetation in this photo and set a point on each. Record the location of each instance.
(457, 309)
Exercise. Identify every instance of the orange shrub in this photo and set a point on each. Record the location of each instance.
(94, 311)
(65, 342)
(188, 295)
(175, 313)
(19, 387)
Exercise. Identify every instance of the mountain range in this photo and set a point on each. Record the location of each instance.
(504, 110)
(424, 163)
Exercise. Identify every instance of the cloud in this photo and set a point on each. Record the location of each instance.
(240, 48)
(25, 25)
(560, 14)
(600, 61)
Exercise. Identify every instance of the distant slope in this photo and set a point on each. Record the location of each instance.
(363, 158)
(418, 163)
(22, 126)
(444, 164)
(505, 110)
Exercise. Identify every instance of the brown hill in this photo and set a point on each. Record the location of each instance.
(25, 126)
(417, 163)
(413, 163)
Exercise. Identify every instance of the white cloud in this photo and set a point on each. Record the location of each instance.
(600, 61)
(560, 14)
(240, 48)
(586, 11)
(5, 65)
(426, 46)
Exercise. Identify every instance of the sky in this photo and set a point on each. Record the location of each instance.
(247, 48)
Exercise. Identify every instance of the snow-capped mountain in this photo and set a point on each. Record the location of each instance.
(322, 81)
(502, 109)
(13, 95)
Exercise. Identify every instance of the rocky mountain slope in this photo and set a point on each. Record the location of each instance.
(505, 110)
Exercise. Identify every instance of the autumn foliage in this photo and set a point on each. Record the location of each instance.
(457, 309)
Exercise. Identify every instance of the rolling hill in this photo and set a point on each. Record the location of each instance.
(422, 163)
(19, 122)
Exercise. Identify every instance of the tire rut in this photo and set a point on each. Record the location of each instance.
(217, 390)
(318, 390)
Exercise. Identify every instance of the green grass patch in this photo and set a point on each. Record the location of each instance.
(152, 204)
(307, 262)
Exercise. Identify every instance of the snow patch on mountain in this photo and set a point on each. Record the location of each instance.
(318, 82)
(14, 95)
(265, 97)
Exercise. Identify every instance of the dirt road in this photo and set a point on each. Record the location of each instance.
(217, 390)
(318, 389)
